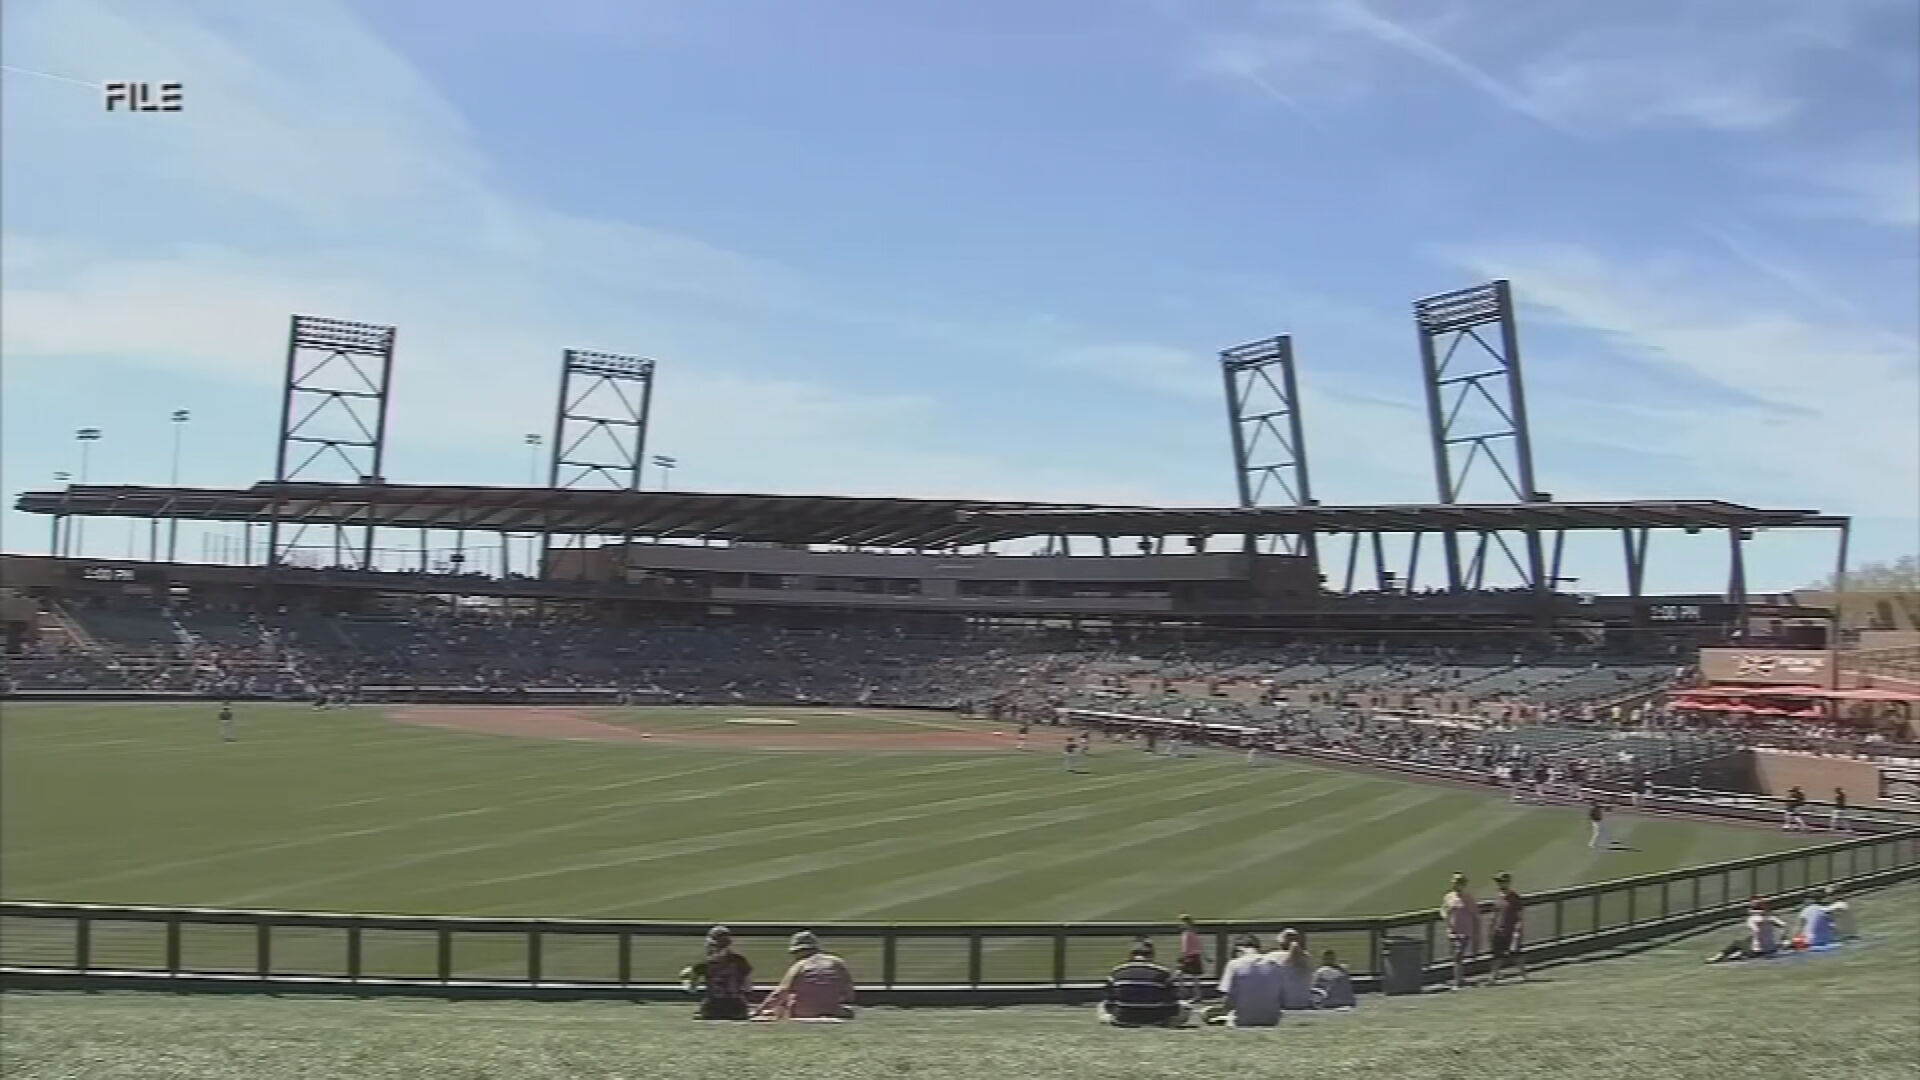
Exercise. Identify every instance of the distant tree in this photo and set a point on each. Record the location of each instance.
(1900, 575)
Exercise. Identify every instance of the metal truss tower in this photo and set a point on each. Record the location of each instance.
(333, 417)
(599, 427)
(600, 424)
(1269, 444)
(1483, 381)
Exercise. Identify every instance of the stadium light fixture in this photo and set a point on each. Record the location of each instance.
(179, 420)
(86, 436)
(666, 465)
(532, 440)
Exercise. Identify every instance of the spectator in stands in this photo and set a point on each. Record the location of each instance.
(1251, 987)
(1296, 971)
(1508, 924)
(1460, 914)
(1332, 985)
(724, 979)
(818, 986)
(1141, 993)
(1762, 937)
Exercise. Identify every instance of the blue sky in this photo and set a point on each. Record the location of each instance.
(987, 249)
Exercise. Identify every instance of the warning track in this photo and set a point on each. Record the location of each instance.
(583, 725)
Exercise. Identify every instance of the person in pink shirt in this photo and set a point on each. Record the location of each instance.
(1193, 962)
(817, 987)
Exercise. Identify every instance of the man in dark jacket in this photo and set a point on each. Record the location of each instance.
(1141, 993)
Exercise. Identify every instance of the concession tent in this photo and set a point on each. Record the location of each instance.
(1803, 703)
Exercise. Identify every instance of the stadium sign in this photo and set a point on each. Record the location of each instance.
(1778, 667)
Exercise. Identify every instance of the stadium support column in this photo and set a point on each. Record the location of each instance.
(333, 415)
(1476, 399)
(1269, 440)
(1737, 577)
(1839, 594)
(599, 425)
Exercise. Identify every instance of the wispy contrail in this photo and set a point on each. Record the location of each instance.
(49, 75)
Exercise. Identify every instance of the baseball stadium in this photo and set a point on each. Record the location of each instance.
(530, 744)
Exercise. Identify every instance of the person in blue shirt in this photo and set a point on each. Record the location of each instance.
(1818, 925)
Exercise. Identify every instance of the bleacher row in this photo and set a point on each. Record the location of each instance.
(151, 646)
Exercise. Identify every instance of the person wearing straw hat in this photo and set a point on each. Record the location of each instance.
(818, 986)
(724, 979)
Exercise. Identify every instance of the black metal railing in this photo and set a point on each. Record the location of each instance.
(90, 944)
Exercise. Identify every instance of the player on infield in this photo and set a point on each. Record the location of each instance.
(228, 729)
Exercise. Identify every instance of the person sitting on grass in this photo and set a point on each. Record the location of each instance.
(724, 979)
(1332, 985)
(1141, 993)
(1762, 937)
(1296, 971)
(817, 987)
(1819, 923)
(1251, 985)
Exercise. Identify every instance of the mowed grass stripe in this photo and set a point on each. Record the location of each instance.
(642, 816)
(1280, 875)
(1125, 882)
(1016, 884)
(312, 844)
(977, 833)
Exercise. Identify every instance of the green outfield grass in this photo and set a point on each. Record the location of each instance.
(1655, 1015)
(345, 810)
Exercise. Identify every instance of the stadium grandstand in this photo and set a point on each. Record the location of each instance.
(1275, 619)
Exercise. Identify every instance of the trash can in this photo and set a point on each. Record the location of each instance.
(1403, 965)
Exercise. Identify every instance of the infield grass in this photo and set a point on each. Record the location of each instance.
(1655, 1015)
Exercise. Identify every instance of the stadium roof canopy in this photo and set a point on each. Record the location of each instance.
(873, 522)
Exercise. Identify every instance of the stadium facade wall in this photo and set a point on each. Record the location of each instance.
(1866, 782)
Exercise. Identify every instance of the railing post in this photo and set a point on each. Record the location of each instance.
(445, 942)
(1696, 893)
(1375, 931)
(533, 956)
(1059, 958)
(353, 953)
(263, 948)
(83, 943)
(626, 958)
(1666, 899)
(173, 945)
(974, 961)
(889, 958)
(1633, 905)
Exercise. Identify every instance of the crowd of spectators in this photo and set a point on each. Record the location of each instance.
(1446, 706)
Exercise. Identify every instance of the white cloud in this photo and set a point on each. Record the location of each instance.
(1715, 65)
(314, 171)
(1812, 409)
(1878, 184)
